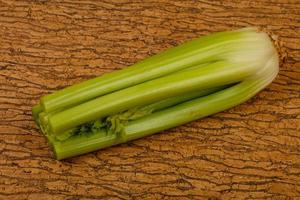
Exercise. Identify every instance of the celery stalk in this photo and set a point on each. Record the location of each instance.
(201, 50)
(188, 82)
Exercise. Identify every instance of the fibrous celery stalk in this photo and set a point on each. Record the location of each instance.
(188, 82)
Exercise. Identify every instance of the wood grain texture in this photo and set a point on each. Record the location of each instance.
(249, 152)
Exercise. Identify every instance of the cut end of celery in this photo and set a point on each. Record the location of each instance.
(36, 110)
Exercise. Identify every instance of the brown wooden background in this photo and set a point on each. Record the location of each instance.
(251, 151)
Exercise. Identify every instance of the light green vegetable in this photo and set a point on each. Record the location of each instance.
(188, 82)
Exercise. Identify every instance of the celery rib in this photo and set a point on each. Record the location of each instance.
(198, 51)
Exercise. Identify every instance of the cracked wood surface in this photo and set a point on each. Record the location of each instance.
(251, 151)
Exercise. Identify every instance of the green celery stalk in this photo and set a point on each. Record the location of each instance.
(198, 51)
(85, 143)
(188, 82)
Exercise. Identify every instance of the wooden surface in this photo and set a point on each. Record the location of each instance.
(251, 151)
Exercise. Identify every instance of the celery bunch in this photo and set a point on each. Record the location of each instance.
(185, 83)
